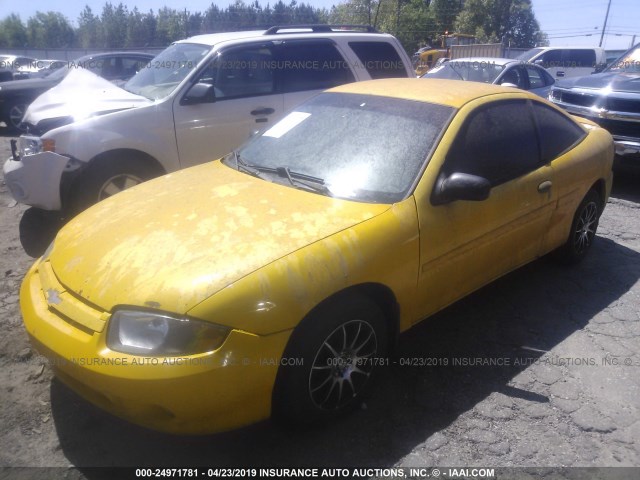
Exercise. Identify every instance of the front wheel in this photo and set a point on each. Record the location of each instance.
(107, 178)
(583, 229)
(333, 358)
(14, 114)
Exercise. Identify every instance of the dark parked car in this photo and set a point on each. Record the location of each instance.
(16, 95)
(612, 100)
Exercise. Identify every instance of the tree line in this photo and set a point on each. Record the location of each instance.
(414, 22)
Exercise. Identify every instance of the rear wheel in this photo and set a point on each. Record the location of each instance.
(583, 229)
(333, 358)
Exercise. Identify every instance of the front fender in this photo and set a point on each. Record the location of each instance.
(382, 250)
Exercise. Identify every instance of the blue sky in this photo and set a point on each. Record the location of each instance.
(567, 22)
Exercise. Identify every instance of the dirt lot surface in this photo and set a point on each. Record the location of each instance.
(543, 369)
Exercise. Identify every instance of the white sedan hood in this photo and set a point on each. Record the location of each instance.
(81, 95)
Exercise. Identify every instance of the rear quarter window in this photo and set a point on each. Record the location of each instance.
(557, 133)
(380, 59)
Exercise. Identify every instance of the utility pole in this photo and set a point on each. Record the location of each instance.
(606, 17)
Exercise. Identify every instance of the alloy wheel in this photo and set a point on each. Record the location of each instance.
(343, 364)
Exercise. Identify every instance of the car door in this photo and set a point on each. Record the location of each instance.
(465, 244)
(246, 100)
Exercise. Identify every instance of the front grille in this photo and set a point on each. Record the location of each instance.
(623, 105)
(618, 127)
(588, 100)
(65, 304)
(583, 100)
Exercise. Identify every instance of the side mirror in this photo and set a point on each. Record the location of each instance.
(539, 62)
(461, 186)
(199, 93)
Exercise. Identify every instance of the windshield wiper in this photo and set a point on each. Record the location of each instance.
(243, 166)
(296, 179)
(310, 182)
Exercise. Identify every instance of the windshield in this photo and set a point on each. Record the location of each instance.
(165, 72)
(529, 54)
(360, 147)
(627, 63)
(474, 71)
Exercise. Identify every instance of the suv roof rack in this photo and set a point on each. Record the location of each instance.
(321, 28)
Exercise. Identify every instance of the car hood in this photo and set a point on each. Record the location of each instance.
(81, 95)
(174, 241)
(617, 82)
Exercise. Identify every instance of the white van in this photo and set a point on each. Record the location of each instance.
(198, 100)
(565, 62)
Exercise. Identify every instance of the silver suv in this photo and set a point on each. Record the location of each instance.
(196, 101)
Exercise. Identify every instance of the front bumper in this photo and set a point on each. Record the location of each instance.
(627, 146)
(35, 179)
(212, 392)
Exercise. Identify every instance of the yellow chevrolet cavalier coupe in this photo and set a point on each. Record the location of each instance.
(274, 281)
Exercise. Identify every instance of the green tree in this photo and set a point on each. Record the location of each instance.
(49, 30)
(114, 22)
(511, 21)
(89, 30)
(13, 33)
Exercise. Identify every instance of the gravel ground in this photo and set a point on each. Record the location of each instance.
(542, 370)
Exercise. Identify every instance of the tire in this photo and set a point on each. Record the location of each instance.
(340, 347)
(583, 230)
(13, 115)
(105, 178)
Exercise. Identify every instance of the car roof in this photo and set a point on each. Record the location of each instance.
(494, 60)
(452, 93)
(212, 39)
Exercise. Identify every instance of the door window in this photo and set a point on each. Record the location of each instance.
(498, 142)
(242, 72)
(580, 58)
(311, 65)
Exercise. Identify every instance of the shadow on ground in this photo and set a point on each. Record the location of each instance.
(38, 228)
(536, 307)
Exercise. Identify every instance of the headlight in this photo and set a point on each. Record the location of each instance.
(30, 145)
(155, 334)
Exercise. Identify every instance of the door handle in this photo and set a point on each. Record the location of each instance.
(559, 74)
(544, 186)
(262, 111)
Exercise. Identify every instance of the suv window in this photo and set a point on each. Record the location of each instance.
(557, 133)
(551, 58)
(584, 58)
(497, 142)
(241, 72)
(380, 59)
(311, 65)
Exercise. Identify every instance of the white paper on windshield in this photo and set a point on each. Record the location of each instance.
(286, 124)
